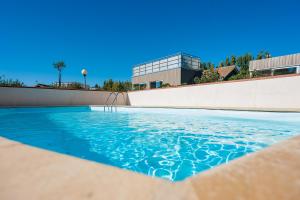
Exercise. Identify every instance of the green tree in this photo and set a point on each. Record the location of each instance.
(232, 60)
(203, 65)
(196, 79)
(209, 75)
(259, 56)
(267, 54)
(75, 85)
(262, 55)
(243, 63)
(108, 85)
(127, 85)
(221, 64)
(206, 65)
(59, 66)
(227, 62)
(117, 86)
(10, 82)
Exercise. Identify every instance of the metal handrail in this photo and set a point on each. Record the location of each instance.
(107, 100)
(115, 100)
(112, 103)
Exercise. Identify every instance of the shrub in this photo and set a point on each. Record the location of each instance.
(117, 86)
(209, 75)
(240, 75)
(75, 85)
(196, 79)
(71, 85)
(10, 82)
(165, 85)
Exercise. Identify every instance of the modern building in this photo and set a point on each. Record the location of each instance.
(173, 70)
(277, 65)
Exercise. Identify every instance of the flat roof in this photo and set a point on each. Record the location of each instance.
(275, 62)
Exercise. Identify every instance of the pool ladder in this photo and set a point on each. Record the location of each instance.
(109, 106)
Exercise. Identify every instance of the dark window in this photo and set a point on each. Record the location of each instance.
(139, 86)
(143, 86)
(262, 73)
(136, 86)
(291, 70)
(158, 84)
(155, 84)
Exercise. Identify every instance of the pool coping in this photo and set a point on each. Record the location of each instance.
(247, 109)
(31, 173)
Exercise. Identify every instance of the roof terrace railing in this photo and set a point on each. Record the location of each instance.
(167, 63)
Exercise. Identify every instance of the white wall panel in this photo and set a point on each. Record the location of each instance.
(54, 97)
(276, 94)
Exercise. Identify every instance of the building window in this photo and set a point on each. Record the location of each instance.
(139, 86)
(291, 70)
(158, 84)
(275, 72)
(136, 86)
(155, 84)
(143, 86)
(262, 73)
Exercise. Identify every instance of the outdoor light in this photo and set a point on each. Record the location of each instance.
(84, 73)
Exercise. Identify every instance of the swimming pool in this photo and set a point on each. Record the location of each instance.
(168, 143)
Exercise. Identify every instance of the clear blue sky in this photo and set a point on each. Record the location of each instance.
(108, 37)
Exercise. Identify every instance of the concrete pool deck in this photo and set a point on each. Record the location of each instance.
(31, 173)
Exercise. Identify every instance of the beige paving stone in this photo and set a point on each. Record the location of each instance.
(273, 173)
(31, 173)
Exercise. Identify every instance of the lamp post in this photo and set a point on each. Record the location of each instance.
(84, 73)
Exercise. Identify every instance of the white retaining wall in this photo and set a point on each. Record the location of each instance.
(272, 94)
(54, 97)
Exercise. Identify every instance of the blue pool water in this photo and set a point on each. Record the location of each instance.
(169, 143)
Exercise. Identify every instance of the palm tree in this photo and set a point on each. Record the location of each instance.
(59, 66)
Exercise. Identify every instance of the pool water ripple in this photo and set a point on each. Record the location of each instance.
(167, 143)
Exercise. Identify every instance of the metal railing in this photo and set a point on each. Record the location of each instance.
(179, 60)
(111, 105)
